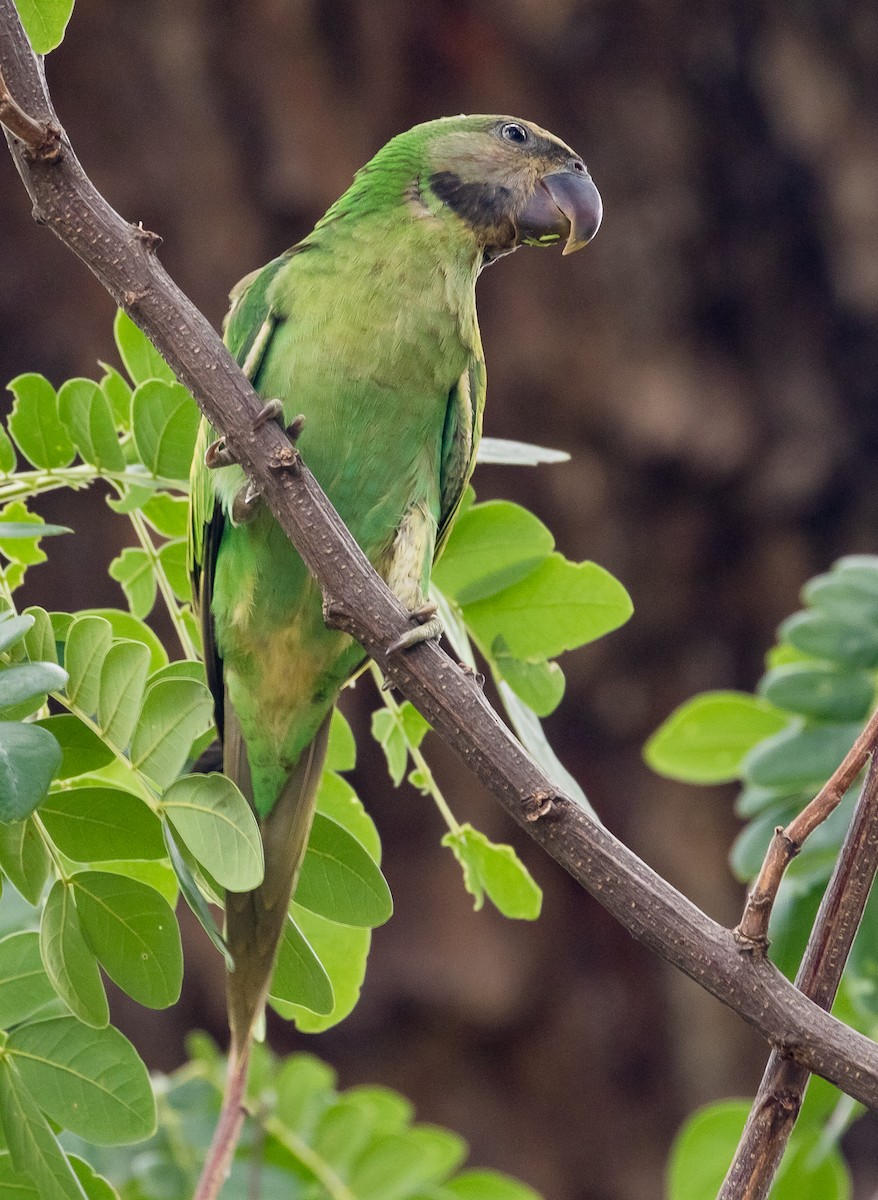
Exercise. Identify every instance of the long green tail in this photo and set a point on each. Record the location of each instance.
(255, 920)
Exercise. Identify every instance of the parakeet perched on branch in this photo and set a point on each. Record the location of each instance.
(368, 328)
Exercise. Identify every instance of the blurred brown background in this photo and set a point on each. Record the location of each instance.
(709, 363)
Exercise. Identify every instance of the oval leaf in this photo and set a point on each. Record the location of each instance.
(26, 681)
(557, 607)
(299, 976)
(175, 712)
(134, 933)
(69, 963)
(24, 985)
(340, 880)
(706, 739)
(94, 824)
(217, 824)
(29, 760)
(91, 1081)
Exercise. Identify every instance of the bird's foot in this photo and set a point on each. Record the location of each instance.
(428, 628)
(218, 455)
(245, 506)
(272, 410)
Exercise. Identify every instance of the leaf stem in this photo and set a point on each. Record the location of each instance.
(145, 539)
(335, 1188)
(417, 756)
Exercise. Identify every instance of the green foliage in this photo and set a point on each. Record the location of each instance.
(782, 745)
(44, 22)
(812, 1168)
(103, 828)
(305, 1140)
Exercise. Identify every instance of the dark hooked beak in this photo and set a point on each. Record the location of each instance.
(564, 203)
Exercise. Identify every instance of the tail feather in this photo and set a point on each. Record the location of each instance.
(255, 920)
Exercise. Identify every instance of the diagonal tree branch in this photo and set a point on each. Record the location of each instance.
(783, 1085)
(122, 256)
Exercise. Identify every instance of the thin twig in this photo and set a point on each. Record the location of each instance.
(228, 1128)
(752, 931)
(123, 258)
(782, 1090)
(41, 139)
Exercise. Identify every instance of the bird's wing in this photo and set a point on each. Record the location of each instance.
(460, 442)
(247, 332)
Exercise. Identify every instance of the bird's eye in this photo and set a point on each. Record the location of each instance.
(513, 132)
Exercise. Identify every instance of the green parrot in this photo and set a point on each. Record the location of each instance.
(368, 328)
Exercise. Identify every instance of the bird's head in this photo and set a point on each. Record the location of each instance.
(511, 182)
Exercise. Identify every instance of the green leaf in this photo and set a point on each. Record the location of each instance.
(823, 636)
(531, 735)
(123, 680)
(175, 712)
(497, 871)
(398, 1164)
(29, 760)
(155, 873)
(13, 629)
(69, 963)
(24, 985)
(30, 529)
(851, 595)
(706, 739)
(118, 393)
(217, 824)
(33, 1148)
(819, 690)
(305, 1090)
(35, 424)
(488, 1185)
(27, 681)
(194, 898)
(165, 423)
(24, 859)
(96, 1187)
(168, 515)
(299, 977)
(93, 824)
(703, 1150)
(491, 546)
(134, 933)
(21, 552)
(82, 751)
(341, 752)
(142, 360)
(340, 880)
(126, 625)
(91, 1081)
(39, 641)
(7, 454)
(389, 736)
(173, 559)
(707, 1143)
(133, 569)
(44, 22)
(88, 642)
(338, 800)
(86, 412)
(538, 683)
(343, 951)
(557, 607)
(799, 759)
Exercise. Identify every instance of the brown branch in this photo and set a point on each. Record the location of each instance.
(122, 257)
(783, 1085)
(752, 932)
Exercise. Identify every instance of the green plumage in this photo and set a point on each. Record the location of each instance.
(368, 327)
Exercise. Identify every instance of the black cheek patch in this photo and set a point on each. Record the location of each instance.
(481, 205)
